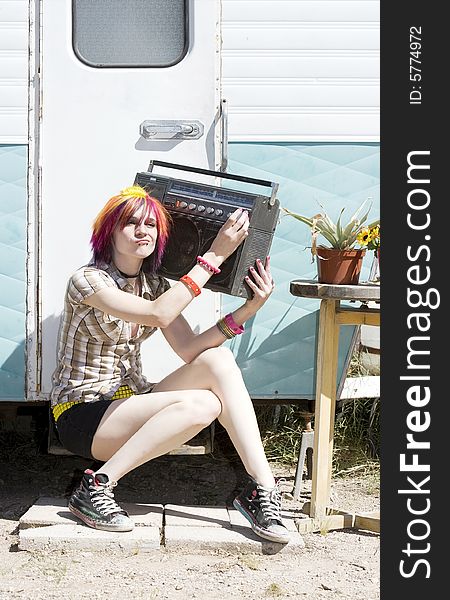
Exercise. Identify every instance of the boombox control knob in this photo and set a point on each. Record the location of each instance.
(210, 209)
(200, 208)
(183, 204)
(192, 206)
(219, 212)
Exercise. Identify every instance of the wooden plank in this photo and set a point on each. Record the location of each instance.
(325, 403)
(336, 518)
(325, 524)
(370, 523)
(358, 316)
(311, 289)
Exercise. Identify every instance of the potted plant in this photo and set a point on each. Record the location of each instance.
(339, 262)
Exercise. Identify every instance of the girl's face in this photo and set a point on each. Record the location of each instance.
(138, 238)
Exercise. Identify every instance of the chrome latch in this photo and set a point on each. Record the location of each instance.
(171, 130)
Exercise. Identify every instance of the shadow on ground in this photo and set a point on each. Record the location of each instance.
(27, 471)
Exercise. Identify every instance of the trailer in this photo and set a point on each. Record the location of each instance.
(91, 92)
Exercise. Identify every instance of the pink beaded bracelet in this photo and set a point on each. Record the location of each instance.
(209, 267)
(237, 329)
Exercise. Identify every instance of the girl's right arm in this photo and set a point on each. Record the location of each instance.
(162, 311)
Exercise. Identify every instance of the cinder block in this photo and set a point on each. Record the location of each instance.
(210, 540)
(236, 518)
(53, 511)
(71, 538)
(49, 525)
(47, 511)
(148, 515)
(196, 516)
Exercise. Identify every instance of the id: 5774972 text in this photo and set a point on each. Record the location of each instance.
(415, 64)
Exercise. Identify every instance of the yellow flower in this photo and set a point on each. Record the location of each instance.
(375, 233)
(374, 238)
(363, 237)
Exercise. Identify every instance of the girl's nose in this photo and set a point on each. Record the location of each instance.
(140, 228)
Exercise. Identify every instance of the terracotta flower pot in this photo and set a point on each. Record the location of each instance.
(339, 266)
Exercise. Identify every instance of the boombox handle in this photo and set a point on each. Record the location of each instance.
(271, 184)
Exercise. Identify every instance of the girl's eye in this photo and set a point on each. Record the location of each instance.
(135, 222)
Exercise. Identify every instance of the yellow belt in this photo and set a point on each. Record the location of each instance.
(123, 392)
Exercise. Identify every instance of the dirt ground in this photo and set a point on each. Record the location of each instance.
(340, 565)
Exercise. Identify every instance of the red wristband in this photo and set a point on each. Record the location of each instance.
(190, 283)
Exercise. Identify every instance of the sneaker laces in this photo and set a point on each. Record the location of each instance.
(270, 501)
(103, 497)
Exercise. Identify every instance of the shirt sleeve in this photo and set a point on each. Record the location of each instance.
(85, 282)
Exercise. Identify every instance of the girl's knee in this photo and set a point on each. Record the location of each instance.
(204, 407)
(217, 358)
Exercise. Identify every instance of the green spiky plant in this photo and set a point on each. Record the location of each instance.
(338, 235)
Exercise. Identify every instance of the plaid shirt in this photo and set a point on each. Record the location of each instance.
(96, 352)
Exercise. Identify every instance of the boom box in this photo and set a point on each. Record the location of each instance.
(198, 212)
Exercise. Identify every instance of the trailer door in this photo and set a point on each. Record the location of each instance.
(107, 67)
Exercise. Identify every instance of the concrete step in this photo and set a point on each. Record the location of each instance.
(67, 538)
(202, 443)
(49, 525)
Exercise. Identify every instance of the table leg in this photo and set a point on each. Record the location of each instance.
(327, 358)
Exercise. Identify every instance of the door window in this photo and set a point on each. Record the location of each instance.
(135, 33)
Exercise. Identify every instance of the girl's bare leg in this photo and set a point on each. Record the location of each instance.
(216, 370)
(135, 430)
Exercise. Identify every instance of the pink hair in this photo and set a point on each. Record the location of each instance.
(116, 213)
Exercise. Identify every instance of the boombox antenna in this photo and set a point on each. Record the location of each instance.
(263, 182)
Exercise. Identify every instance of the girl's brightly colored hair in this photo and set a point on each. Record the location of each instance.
(116, 213)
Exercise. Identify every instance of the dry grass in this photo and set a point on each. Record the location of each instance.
(356, 439)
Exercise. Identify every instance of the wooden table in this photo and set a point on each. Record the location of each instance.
(332, 315)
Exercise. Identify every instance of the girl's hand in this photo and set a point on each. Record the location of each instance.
(232, 233)
(261, 284)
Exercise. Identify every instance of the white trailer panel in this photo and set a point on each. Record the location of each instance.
(301, 71)
(13, 72)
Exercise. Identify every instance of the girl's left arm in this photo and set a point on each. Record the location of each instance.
(189, 345)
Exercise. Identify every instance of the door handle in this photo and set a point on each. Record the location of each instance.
(171, 130)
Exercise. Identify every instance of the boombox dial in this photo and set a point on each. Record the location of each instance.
(198, 211)
(216, 209)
